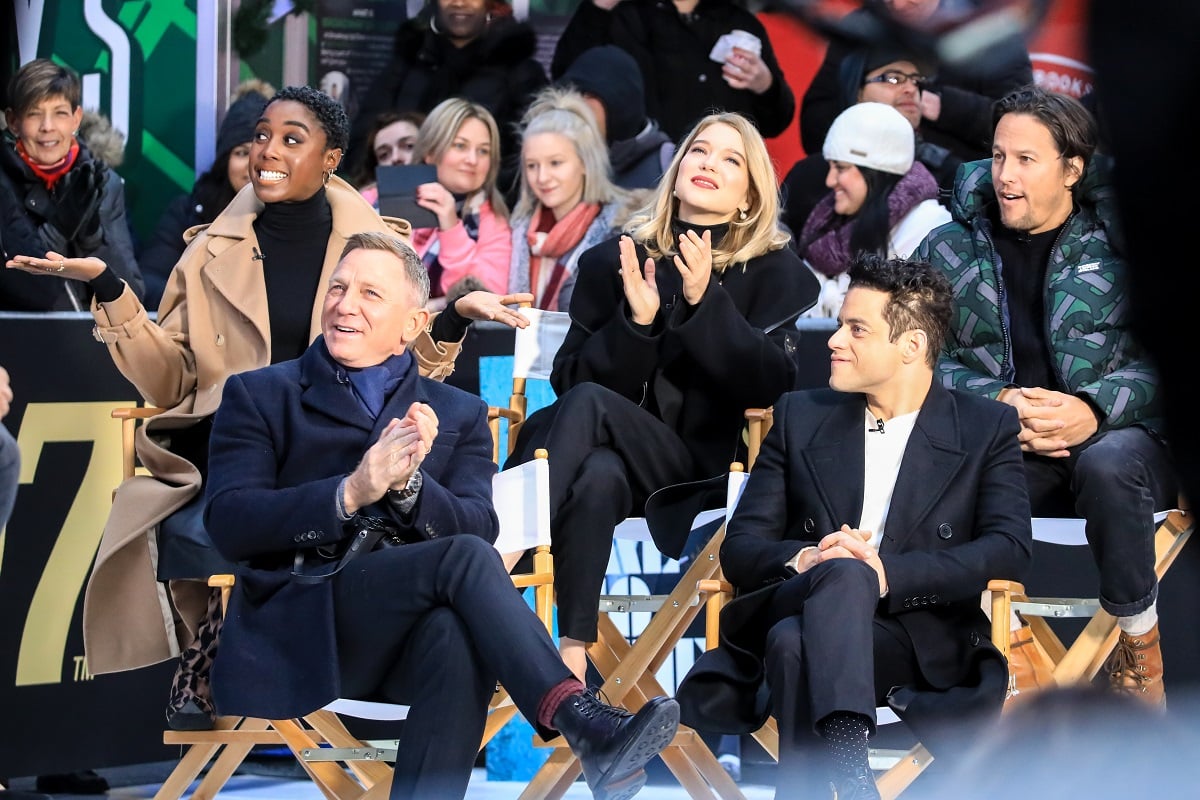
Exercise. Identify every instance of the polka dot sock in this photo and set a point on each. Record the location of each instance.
(846, 734)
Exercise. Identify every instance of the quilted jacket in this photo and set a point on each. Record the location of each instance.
(1088, 313)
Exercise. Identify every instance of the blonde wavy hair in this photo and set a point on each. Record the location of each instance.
(437, 133)
(747, 238)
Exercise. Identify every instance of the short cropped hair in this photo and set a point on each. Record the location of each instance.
(414, 270)
(919, 297)
(40, 80)
(329, 113)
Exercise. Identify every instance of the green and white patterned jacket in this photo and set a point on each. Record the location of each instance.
(1088, 311)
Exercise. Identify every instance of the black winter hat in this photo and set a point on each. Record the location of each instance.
(239, 122)
(612, 75)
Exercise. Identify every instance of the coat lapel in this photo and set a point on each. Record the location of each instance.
(835, 459)
(232, 269)
(324, 392)
(932, 458)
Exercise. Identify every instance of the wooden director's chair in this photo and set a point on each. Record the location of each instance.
(1078, 662)
(895, 769)
(628, 670)
(341, 765)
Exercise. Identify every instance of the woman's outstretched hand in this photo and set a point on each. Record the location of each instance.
(59, 266)
(482, 305)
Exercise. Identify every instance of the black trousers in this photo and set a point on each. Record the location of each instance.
(607, 456)
(433, 625)
(1115, 481)
(826, 651)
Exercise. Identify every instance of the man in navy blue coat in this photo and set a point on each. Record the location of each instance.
(348, 438)
(875, 515)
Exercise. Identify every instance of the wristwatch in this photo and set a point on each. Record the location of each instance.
(409, 491)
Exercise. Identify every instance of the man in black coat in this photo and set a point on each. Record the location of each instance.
(356, 497)
(874, 516)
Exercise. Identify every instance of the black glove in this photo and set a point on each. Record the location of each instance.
(77, 199)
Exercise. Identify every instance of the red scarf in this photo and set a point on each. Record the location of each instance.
(548, 242)
(50, 175)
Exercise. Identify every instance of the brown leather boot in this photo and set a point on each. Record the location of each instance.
(1136, 667)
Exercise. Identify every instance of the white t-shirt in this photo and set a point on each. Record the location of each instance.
(884, 451)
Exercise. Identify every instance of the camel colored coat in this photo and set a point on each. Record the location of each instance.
(213, 322)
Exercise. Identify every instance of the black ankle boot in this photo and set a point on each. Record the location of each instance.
(613, 745)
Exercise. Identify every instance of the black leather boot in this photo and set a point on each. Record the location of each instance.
(613, 745)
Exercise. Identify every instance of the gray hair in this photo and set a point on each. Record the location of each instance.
(414, 270)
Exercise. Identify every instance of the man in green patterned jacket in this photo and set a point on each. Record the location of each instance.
(1042, 323)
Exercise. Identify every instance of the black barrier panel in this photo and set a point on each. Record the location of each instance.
(61, 718)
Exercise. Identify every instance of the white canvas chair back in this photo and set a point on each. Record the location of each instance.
(534, 347)
(521, 495)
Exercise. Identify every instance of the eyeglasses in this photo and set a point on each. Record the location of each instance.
(896, 78)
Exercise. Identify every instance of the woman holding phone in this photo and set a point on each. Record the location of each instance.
(471, 246)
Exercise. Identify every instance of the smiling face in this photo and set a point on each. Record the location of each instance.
(371, 310)
(713, 182)
(904, 97)
(462, 21)
(849, 187)
(288, 159)
(464, 164)
(1031, 178)
(862, 359)
(394, 143)
(554, 171)
(47, 129)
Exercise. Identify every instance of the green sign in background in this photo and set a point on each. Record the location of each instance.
(161, 137)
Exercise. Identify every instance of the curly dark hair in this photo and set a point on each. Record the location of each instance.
(919, 296)
(329, 113)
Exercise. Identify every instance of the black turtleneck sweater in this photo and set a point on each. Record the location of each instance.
(292, 238)
(1024, 258)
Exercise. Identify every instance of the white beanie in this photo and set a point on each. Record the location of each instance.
(872, 135)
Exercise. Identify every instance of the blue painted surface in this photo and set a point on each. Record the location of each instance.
(511, 755)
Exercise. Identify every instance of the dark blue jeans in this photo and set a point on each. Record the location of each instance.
(1115, 481)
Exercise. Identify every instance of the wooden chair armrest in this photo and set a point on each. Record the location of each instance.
(714, 586)
(499, 412)
(758, 414)
(1000, 585)
(139, 412)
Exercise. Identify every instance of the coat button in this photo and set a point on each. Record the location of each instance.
(933, 599)
(974, 638)
(809, 525)
(908, 603)
(945, 531)
(298, 538)
(703, 78)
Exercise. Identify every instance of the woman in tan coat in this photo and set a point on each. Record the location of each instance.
(245, 293)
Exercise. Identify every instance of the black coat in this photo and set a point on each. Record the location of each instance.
(698, 368)
(163, 249)
(682, 83)
(283, 439)
(32, 225)
(959, 517)
(499, 71)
